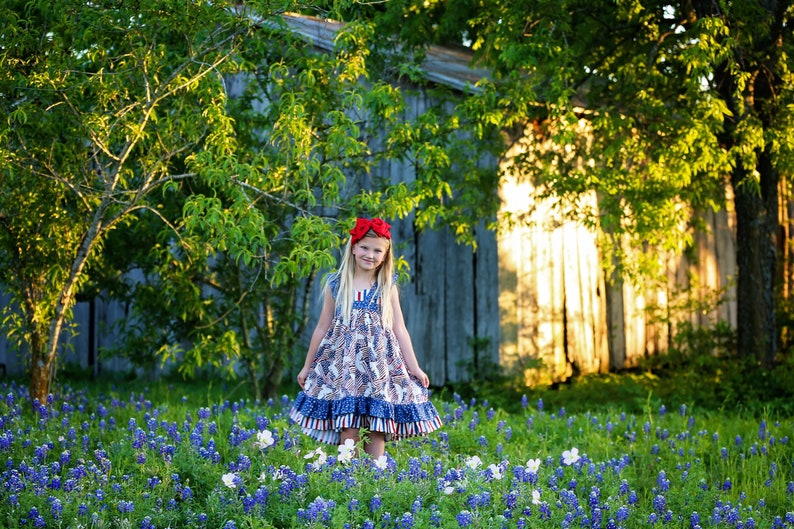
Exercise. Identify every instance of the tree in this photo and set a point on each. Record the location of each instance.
(659, 107)
(120, 125)
(97, 104)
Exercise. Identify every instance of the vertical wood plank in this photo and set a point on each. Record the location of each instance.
(486, 295)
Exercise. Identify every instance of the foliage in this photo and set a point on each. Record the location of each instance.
(660, 109)
(199, 161)
(701, 368)
(159, 456)
(99, 106)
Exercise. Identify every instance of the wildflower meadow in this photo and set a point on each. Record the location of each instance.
(157, 459)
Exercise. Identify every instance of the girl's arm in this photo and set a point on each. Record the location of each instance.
(404, 339)
(326, 317)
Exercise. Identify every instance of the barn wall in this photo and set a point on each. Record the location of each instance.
(535, 295)
(80, 349)
(559, 311)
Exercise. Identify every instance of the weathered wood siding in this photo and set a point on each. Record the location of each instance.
(536, 294)
(80, 350)
(552, 293)
(558, 309)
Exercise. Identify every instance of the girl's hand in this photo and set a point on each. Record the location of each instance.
(421, 375)
(302, 376)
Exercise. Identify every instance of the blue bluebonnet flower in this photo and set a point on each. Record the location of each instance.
(622, 514)
(374, 503)
(594, 499)
(659, 503)
(248, 504)
(596, 516)
(633, 499)
(694, 519)
(318, 510)
(510, 499)
(662, 482)
(406, 521)
(464, 518)
(56, 507)
(36, 519)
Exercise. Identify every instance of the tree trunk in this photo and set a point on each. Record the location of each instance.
(272, 379)
(43, 359)
(40, 378)
(40, 371)
(756, 259)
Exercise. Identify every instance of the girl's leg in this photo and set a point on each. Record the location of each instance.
(348, 433)
(376, 444)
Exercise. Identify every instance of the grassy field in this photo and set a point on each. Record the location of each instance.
(177, 455)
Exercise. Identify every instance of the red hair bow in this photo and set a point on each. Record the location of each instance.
(379, 226)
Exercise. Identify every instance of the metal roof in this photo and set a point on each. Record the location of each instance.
(443, 65)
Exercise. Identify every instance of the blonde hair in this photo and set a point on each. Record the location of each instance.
(384, 278)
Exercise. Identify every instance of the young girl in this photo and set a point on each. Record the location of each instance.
(361, 370)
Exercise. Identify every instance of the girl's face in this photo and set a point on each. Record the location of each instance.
(370, 252)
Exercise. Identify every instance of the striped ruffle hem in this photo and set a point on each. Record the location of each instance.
(324, 420)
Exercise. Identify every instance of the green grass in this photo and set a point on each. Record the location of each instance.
(132, 454)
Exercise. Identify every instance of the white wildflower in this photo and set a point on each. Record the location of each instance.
(533, 465)
(473, 462)
(230, 480)
(569, 457)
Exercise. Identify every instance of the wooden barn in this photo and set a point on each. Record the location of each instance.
(533, 299)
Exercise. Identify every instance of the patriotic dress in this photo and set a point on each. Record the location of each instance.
(358, 379)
